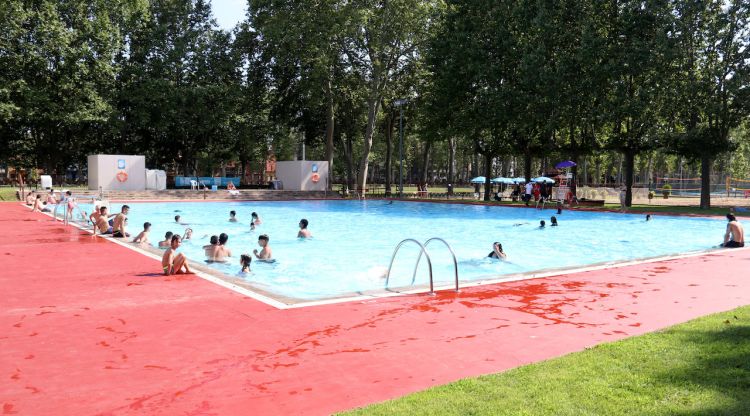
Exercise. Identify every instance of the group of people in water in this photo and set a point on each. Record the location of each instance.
(216, 251)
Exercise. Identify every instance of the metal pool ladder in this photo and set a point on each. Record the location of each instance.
(423, 250)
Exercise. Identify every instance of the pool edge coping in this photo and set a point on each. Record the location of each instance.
(272, 299)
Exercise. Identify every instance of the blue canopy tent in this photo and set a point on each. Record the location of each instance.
(543, 179)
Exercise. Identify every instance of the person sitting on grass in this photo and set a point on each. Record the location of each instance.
(172, 262)
(303, 231)
(497, 252)
(245, 261)
(118, 227)
(167, 240)
(734, 237)
(232, 215)
(142, 237)
(265, 252)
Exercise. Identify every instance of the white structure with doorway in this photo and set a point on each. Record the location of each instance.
(117, 172)
(303, 175)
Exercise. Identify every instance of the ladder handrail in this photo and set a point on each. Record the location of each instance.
(422, 250)
(453, 254)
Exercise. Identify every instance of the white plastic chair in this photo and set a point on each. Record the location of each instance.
(193, 184)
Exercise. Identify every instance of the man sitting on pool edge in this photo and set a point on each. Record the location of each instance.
(171, 263)
(735, 234)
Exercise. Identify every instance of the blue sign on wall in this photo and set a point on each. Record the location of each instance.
(120, 163)
(315, 167)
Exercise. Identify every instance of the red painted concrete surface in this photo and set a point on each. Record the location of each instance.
(89, 327)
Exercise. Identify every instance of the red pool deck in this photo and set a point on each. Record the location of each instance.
(89, 327)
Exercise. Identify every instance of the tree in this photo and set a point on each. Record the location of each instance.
(712, 77)
(640, 55)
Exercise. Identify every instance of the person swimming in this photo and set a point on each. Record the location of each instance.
(245, 261)
(255, 220)
(211, 249)
(553, 220)
(497, 252)
(542, 224)
(232, 215)
(648, 217)
(265, 253)
(142, 238)
(303, 231)
(167, 240)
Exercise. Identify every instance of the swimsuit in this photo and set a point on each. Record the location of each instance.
(734, 244)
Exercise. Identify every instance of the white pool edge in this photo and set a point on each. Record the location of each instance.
(381, 295)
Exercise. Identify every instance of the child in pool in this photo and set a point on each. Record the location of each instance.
(265, 253)
(245, 261)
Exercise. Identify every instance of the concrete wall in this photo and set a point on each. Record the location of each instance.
(298, 175)
(104, 171)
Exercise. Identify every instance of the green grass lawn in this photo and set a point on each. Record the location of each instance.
(701, 367)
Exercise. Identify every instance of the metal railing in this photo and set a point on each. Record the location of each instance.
(423, 250)
(453, 255)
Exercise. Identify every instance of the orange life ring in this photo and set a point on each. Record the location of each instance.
(315, 177)
(122, 176)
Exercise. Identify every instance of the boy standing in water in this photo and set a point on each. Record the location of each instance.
(167, 240)
(265, 252)
(172, 262)
(232, 215)
(143, 236)
(303, 231)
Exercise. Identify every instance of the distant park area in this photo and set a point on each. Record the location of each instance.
(381, 207)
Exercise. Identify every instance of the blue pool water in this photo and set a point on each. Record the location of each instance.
(353, 241)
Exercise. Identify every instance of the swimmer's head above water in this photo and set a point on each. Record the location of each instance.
(542, 224)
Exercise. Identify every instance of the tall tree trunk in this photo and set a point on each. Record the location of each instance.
(330, 124)
(451, 159)
(629, 171)
(373, 105)
(390, 123)
(425, 163)
(243, 166)
(527, 164)
(706, 182)
(487, 176)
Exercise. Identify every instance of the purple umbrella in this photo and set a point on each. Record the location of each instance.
(565, 164)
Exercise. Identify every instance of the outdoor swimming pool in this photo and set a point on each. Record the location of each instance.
(353, 240)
